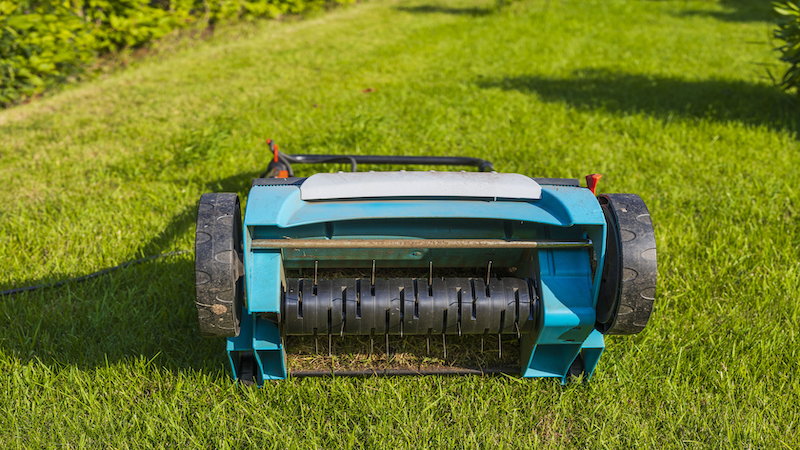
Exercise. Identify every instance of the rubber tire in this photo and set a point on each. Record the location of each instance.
(630, 271)
(219, 271)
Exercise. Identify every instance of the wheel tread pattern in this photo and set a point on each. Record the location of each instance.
(217, 278)
(637, 246)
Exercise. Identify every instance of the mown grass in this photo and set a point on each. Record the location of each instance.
(667, 99)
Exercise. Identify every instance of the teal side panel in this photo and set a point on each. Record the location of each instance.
(241, 344)
(591, 351)
(568, 316)
(269, 351)
(262, 339)
(264, 274)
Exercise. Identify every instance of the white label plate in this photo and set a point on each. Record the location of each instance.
(352, 185)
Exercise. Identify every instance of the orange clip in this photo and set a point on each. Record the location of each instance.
(283, 174)
(591, 181)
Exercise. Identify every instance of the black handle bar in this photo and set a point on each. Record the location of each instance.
(285, 161)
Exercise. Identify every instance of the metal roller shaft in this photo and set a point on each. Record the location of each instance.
(409, 306)
(418, 243)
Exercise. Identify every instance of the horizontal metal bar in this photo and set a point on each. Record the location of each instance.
(416, 243)
(403, 372)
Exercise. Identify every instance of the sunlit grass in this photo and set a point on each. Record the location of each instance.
(667, 99)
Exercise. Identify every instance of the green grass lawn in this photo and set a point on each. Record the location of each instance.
(667, 99)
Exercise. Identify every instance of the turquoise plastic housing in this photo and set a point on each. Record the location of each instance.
(567, 279)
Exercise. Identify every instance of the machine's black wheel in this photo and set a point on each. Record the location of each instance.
(628, 287)
(218, 265)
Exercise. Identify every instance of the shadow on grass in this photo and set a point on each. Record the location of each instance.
(145, 311)
(739, 11)
(662, 97)
(437, 9)
(142, 311)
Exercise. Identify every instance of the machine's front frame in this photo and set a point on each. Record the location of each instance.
(567, 280)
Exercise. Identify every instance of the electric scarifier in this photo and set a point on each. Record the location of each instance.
(541, 260)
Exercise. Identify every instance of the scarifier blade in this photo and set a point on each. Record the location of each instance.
(458, 306)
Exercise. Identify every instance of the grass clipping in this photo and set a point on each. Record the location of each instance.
(412, 353)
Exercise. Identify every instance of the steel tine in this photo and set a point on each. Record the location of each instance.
(500, 345)
(316, 343)
(387, 344)
(444, 344)
(371, 344)
(458, 325)
(316, 268)
(516, 326)
(430, 276)
(373, 274)
(330, 343)
(488, 273)
(481, 343)
(429, 344)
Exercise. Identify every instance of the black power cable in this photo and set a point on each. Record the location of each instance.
(91, 275)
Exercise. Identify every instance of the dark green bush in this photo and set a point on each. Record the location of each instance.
(789, 32)
(44, 42)
(41, 45)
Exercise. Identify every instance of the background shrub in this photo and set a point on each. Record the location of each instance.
(45, 42)
(40, 45)
(789, 32)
